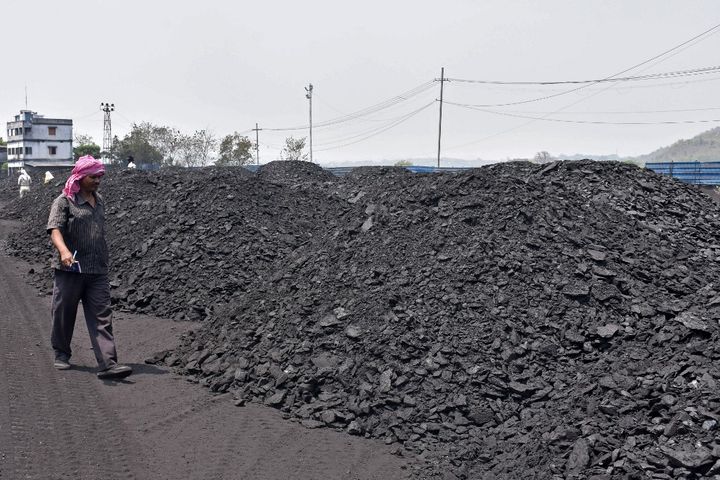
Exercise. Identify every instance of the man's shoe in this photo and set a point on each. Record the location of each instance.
(61, 364)
(115, 372)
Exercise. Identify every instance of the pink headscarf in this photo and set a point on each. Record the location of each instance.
(85, 166)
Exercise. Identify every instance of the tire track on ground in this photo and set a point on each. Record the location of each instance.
(58, 427)
(175, 418)
(156, 426)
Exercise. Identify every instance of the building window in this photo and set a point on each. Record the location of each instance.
(52, 150)
(27, 131)
(28, 150)
(52, 131)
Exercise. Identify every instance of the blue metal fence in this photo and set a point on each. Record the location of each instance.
(697, 173)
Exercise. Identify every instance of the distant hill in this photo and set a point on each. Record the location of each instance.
(704, 147)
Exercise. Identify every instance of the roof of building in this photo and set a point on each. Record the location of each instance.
(53, 121)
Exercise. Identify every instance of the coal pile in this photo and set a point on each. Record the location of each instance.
(507, 322)
(514, 321)
(183, 241)
(294, 173)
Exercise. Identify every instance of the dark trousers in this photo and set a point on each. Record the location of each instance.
(94, 291)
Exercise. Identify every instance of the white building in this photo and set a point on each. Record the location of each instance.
(38, 142)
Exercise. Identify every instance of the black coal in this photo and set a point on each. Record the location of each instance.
(514, 321)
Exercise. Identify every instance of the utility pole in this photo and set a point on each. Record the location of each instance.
(308, 95)
(442, 82)
(107, 130)
(257, 144)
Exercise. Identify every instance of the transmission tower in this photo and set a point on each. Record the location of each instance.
(107, 131)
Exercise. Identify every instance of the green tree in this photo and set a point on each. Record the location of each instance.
(235, 150)
(87, 149)
(404, 163)
(165, 146)
(198, 148)
(543, 157)
(2, 142)
(169, 141)
(83, 139)
(293, 149)
(138, 144)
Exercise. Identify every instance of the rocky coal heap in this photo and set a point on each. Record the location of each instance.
(513, 321)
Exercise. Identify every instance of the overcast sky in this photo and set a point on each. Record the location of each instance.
(225, 65)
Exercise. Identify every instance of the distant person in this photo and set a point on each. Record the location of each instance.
(48, 177)
(24, 181)
(130, 163)
(77, 229)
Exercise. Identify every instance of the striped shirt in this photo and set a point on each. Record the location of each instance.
(83, 230)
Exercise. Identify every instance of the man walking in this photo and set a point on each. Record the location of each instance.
(77, 229)
(24, 181)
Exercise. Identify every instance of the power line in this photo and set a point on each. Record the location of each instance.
(615, 112)
(592, 122)
(405, 118)
(82, 117)
(651, 76)
(619, 88)
(391, 102)
(700, 37)
(129, 122)
(616, 87)
(363, 118)
(565, 92)
(371, 131)
(383, 105)
(345, 138)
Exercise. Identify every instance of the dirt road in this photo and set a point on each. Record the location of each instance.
(154, 425)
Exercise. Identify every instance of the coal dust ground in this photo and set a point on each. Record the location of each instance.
(513, 321)
(153, 425)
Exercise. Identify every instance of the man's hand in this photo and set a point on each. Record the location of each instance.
(66, 258)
